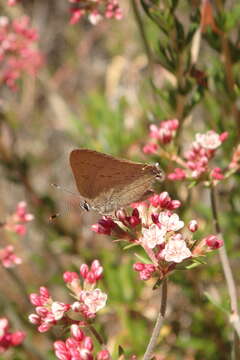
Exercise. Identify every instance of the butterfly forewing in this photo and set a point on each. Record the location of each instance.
(108, 183)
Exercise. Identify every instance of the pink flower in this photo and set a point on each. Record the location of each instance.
(103, 355)
(17, 221)
(209, 141)
(79, 348)
(153, 236)
(95, 18)
(176, 251)
(58, 309)
(95, 10)
(145, 270)
(217, 174)
(193, 225)
(17, 51)
(8, 258)
(12, 2)
(213, 242)
(21, 212)
(164, 201)
(177, 174)
(164, 133)
(170, 222)
(8, 339)
(150, 148)
(94, 299)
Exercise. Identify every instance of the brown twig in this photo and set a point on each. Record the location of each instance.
(96, 334)
(228, 66)
(157, 327)
(234, 316)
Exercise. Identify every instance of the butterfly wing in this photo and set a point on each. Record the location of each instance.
(109, 183)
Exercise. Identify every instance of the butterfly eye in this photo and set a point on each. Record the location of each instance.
(85, 206)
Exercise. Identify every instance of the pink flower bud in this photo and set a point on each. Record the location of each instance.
(155, 218)
(193, 225)
(69, 276)
(95, 265)
(71, 343)
(174, 124)
(175, 204)
(178, 174)
(84, 269)
(145, 275)
(20, 229)
(59, 346)
(76, 306)
(217, 174)
(138, 266)
(44, 327)
(150, 148)
(223, 136)
(44, 292)
(134, 221)
(76, 332)
(34, 319)
(165, 136)
(42, 311)
(18, 337)
(90, 278)
(98, 273)
(103, 355)
(213, 242)
(88, 343)
(35, 299)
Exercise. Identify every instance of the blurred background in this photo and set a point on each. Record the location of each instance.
(95, 89)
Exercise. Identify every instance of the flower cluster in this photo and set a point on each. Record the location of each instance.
(161, 135)
(95, 10)
(88, 300)
(7, 338)
(155, 227)
(12, 2)
(201, 152)
(15, 223)
(78, 347)
(8, 258)
(18, 220)
(18, 53)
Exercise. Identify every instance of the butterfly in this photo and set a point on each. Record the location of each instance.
(107, 183)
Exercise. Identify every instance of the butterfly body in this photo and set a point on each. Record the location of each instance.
(107, 183)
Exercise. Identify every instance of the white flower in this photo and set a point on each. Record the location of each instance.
(153, 236)
(94, 299)
(210, 140)
(94, 18)
(4, 21)
(3, 326)
(176, 250)
(58, 310)
(170, 222)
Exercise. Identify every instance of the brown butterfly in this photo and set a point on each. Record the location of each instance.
(107, 183)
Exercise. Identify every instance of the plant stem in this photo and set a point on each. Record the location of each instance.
(96, 334)
(234, 316)
(157, 327)
(143, 35)
(228, 67)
